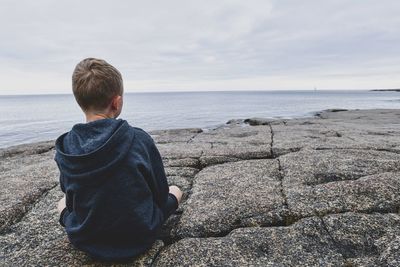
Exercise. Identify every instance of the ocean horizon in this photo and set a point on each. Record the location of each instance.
(33, 118)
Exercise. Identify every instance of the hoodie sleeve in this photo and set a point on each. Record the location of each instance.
(158, 182)
(60, 177)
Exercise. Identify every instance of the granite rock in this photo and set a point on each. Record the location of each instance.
(358, 129)
(24, 177)
(348, 239)
(231, 195)
(324, 181)
(175, 135)
(320, 191)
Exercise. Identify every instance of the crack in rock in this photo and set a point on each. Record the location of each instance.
(281, 175)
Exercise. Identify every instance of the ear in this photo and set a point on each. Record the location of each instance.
(116, 102)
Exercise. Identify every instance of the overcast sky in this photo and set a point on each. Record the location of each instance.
(202, 45)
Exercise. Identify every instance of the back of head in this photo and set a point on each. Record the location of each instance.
(94, 83)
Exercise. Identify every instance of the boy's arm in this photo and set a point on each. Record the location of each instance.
(158, 184)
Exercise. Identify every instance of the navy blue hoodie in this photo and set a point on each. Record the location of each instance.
(116, 189)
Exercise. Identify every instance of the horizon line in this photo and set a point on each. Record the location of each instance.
(216, 91)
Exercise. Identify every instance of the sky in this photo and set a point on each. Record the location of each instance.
(200, 45)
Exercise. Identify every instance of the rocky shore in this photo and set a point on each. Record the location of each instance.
(320, 191)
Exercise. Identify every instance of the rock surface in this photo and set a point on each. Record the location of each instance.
(321, 191)
(219, 192)
(24, 177)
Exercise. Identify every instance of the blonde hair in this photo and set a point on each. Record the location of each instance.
(94, 83)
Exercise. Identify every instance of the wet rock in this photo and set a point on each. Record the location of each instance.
(387, 115)
(235, 121)
(258, 121)
(325, 113)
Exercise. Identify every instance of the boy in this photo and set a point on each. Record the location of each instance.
(116, 192)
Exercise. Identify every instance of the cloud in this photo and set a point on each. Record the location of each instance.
(202, 45)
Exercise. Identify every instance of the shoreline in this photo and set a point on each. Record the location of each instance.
(206, 128)
(385, 90)
(212, 91)
(206, 110)
(309, 115)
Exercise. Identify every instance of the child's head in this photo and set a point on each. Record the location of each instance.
(98, 87)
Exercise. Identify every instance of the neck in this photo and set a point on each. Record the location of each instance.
(96, 116)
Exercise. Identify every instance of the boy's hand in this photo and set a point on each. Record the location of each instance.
(61, 205)
(176, 192)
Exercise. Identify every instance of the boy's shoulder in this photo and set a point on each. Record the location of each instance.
(142, 135)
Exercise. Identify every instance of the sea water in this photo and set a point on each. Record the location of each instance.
(31, 118)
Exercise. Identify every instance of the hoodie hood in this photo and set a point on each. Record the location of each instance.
(93, 147)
